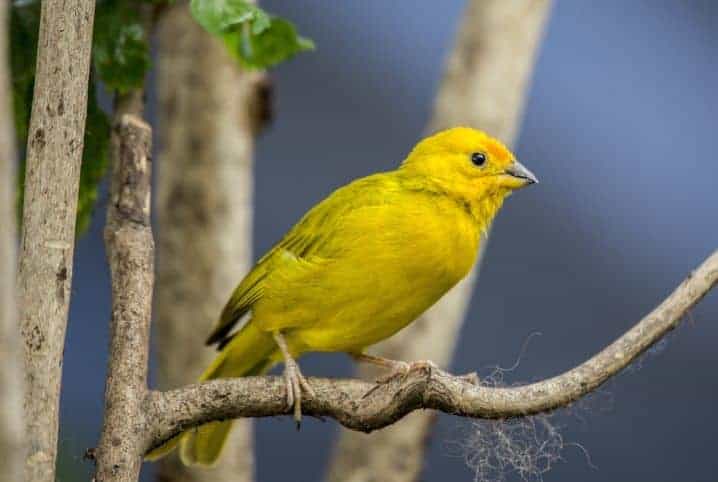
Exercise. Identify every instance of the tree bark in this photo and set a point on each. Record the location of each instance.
(54, 152)
(484, 86)
(12, 447)
(364, 406)
(130, 252)
(208, 114)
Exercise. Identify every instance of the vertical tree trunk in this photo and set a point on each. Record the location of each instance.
(484, 86)
(208, 114)
(11, 416)
(54, 152)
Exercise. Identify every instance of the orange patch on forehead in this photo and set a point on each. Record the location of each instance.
(463, 140)
(497, 150)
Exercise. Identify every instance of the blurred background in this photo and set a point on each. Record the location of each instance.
(620, 126)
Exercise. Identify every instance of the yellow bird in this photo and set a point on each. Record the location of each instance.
(358, 267)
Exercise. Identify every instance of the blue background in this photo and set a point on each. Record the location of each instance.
(620, 127)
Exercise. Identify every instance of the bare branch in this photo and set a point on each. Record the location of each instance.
(170, 413)
(12, 447)
(54, 153)
(130, 250)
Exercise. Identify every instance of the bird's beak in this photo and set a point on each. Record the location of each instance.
(519, 171)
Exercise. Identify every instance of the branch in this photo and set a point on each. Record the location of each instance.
(54, 153)
(172, 412)
(130, 252)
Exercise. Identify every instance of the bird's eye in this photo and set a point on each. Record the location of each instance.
(478, 158)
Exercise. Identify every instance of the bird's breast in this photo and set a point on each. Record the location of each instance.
(400, 267)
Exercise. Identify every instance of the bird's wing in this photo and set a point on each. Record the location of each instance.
(308, 238)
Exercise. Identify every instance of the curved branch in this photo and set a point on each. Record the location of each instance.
(347, 401)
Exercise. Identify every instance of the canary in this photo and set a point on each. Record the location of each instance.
(358, 267)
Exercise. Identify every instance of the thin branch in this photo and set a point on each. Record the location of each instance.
(172, 412)
(54, 153)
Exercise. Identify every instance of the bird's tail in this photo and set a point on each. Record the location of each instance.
(248, 353)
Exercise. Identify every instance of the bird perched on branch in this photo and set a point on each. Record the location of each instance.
(358, 267)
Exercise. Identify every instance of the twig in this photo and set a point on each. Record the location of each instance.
(172, 412)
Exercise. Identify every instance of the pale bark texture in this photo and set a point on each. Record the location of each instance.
(12, 447)
(364, 406)
(209, 110)
(484, 86)
(54, 153)
(130, 252)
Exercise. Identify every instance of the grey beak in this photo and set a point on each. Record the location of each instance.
(519, 171)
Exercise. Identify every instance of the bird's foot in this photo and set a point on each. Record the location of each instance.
(397, 369)
(400, 370)
(295, 384)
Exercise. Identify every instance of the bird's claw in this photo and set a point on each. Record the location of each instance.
(401, 369)
(295, 383)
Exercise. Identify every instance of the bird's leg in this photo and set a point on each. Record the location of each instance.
(293, 378)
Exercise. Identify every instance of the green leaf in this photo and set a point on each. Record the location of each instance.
(255, 38)
(221, 16)
(274, 45)
(120, 51)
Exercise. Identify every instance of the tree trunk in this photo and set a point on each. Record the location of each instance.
(54, 153)
(11, 419)
(484, 86)
(208, 114)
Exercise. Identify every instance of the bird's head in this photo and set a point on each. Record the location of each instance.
(468, 163)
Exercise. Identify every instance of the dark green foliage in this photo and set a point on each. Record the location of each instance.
(254, 37)
(95, 159)
(120, 51)
(24, 26)
(121, 59)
